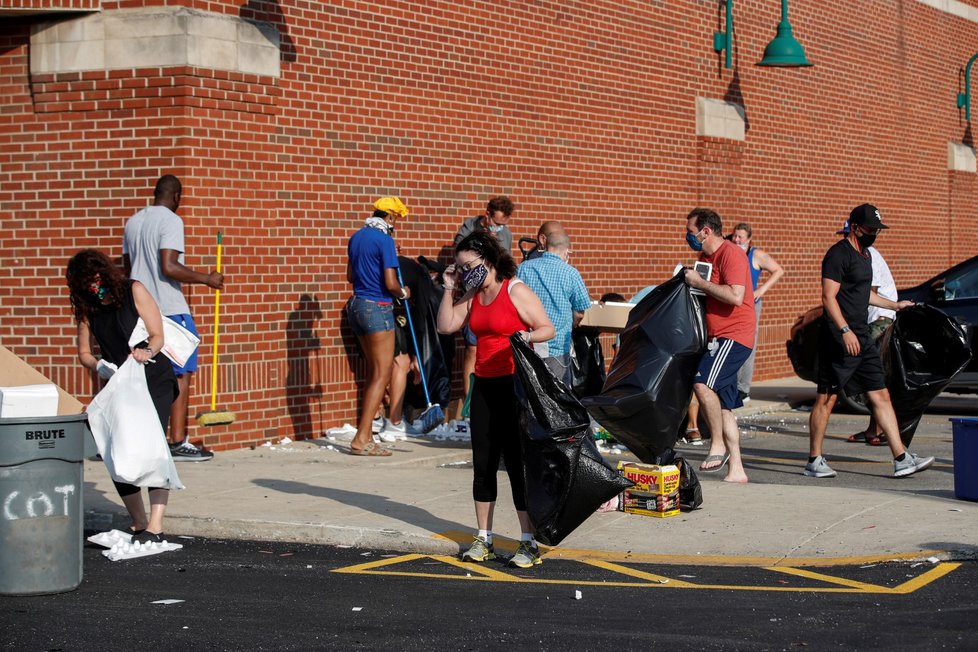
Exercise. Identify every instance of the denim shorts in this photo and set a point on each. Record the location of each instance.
(367, 317)
(191, 365)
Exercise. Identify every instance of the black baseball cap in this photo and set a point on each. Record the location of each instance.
(867, 215)
(432, 265)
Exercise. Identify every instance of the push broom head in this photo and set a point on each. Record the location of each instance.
(431, 418)
(215, 418)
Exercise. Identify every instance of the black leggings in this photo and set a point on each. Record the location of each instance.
(495, 430)
(163, 394)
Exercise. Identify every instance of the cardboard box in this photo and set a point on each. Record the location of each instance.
(14, 372)
(656, 490)
(29, 401)
(610, 317)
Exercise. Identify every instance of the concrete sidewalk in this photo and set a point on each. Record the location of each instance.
(419, 500)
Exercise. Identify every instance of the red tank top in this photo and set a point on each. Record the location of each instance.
(492, 325)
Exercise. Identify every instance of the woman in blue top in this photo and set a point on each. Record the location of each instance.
(760, 261)
(372, 270)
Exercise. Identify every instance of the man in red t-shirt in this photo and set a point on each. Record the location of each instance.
(730, 325)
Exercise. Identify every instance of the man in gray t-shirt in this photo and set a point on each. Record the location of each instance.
(495, 220)
(152, 251)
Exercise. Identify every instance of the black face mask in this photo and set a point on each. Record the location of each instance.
(866, 240)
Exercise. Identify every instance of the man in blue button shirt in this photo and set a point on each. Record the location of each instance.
(564, 296)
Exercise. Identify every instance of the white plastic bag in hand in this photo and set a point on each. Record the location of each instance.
(128, 433)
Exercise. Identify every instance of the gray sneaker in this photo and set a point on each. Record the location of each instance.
(479, 551)
(910, 465)
(377, 425)
(819, 469)
(526, 556)
(187, 452)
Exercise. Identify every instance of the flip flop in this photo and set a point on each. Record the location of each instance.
(692, 441)
(722, 459)
(856, 438)
(372, 449)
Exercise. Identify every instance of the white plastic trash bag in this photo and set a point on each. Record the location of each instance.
(128, 433)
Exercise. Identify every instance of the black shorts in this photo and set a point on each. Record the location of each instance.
(837, 369)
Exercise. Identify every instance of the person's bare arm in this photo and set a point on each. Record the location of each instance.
(532, 313)
(451, 317)
(882, 302)
(830, 303)
(150, 314)
(393, 285)
(731, 294)
(85, 355)
(172, 268)
(766, 263)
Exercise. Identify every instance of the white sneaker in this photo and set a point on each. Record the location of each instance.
(378, 425)
(396, 430)
(820, 469)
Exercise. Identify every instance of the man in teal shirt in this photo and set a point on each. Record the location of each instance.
(564, 296)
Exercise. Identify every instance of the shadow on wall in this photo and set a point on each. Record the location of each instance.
(735, 95)
(304, 380)
(269, 11)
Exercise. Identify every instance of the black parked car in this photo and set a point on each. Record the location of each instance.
(954, 291)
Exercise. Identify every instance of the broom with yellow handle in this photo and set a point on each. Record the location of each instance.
(214, 417)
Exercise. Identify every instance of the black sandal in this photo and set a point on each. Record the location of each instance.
(145, 537)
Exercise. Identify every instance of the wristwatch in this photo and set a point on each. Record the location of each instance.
(844, 330)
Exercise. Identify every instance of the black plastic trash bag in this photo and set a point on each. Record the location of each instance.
(645, 398)
(432, 357)
(587, 363)
(565, 479)
(922, 350)
(690, 489)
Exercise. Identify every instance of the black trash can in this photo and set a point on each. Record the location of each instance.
(41, 504)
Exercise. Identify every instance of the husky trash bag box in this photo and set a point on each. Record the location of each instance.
(922, 351)
(644, 400)
(565, 479)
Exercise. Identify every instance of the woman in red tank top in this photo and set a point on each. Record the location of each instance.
(496, 304)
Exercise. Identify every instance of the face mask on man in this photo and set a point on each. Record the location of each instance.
(743, 246)
(866, 240)
(693, 241)
(475, 277)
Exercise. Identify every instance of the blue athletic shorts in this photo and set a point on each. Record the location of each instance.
(187, 322)
(718, 370)
(367, 317)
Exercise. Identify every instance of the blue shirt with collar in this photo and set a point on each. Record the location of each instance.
(562, 292)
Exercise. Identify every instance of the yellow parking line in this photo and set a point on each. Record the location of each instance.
(926, 578)
(573, 554)
(378, 563)
(480, 573)
(477, 568)
(821, 577)
(634, 572)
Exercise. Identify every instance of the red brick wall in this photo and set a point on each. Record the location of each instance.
(581, 111)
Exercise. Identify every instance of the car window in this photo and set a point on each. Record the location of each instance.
(963, 284)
